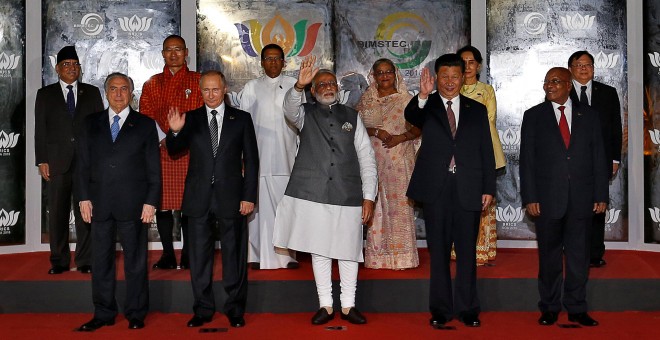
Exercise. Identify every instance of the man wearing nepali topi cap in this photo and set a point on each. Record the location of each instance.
(59, 111)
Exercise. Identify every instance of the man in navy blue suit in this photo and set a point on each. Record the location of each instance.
(454, 177)
(563, 179)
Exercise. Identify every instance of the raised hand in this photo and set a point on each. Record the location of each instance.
(175, 119)
(426, 83)
(307, 71)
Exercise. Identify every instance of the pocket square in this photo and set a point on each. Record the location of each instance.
(347, 127)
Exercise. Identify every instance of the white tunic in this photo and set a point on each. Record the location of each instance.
(329, 230)
(277, 141)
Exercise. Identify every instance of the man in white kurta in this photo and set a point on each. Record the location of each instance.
(335, 155)
(277, 141)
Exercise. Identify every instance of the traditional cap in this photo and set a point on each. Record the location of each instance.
(67, 52)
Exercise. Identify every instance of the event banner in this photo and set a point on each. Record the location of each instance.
(651, 122)
(12, 122)
(110, 36)
(525, 39)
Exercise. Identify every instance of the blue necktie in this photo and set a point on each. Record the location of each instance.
(114, 128)
(70, 100)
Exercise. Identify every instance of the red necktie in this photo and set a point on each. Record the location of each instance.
(563, 127)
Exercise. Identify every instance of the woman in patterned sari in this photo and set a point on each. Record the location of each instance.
(483, 93)
(391, 237)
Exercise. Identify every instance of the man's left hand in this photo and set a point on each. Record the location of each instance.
(485, 201)
(246, 207)
(600, 207)
(367, 211)
(148, 212)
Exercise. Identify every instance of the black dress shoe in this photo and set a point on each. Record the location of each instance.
(135, 324)
(583, 319)
(292, 265)
(184, 264)
(95, 324)
(165, 263)
(85, 269)
(255, 265)
(597, 263)
(236, 321)
(548, 318)
(438, 321)
(58, 270)
(470, 320)
(354, 316)
(322, 317)
(197, 321)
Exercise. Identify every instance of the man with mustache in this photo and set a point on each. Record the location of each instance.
(331, 191)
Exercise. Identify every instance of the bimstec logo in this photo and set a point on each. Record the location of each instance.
(8, 63)
(296, 40)
(510, 139)
(405, 36)
(134, 26)
(655, 137)
(7, 142)
(602, 60)
(509, 216)
(534, 23)
(655, 60)
(91, 24)
(577, 21)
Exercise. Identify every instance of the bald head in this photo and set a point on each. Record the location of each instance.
(557, 85)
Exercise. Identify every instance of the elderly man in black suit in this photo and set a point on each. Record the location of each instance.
(454, 178)
(563, 182)
(118, 182)
(221, 186)
(605, 101)
(59, 111)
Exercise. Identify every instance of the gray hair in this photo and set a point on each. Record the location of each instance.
(320, 72)
(212, 73)
(115, 75)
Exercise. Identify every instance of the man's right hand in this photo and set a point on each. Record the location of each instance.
(426, 83)
(307, 71)
(44, 171)
(86, 211)
(533, 209)
(176, 119)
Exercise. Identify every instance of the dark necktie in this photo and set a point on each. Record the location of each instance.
(583, 96)
(452, 127)
(70, 100)
(563, 127)
(213, 126)
(114, 127)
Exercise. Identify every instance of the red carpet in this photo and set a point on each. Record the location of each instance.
(511, 263)
(504, 325)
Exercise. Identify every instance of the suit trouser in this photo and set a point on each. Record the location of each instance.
(233, 242)
(598, 237)
(446, 223)
(567, 236)
(59, 205)
(133, 239)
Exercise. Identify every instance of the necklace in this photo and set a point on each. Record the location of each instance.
(466, 87)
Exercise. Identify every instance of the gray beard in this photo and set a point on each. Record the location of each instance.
(324, 101)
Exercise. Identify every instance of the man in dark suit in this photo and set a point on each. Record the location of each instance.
(454, 178)
(221, 186)
(605, 101)
(118, 182)
(59, 111)
(563, 182)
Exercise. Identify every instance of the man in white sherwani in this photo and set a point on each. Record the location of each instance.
(331, 191)
(277, 141)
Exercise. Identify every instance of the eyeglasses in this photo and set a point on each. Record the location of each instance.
(272, 59)
(582, 65)
(382, 73)
(68, 64)
(326, 84)
(554, 81)
(174, 49)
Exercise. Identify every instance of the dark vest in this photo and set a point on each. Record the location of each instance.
(327, 168)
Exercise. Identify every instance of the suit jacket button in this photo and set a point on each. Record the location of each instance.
(112, 166)
(73, 139)
(569, 157)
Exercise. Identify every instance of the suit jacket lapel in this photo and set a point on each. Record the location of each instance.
(227, 123)
(442, 113)
(463, 113)
(551, 121)
(577, 122)
(204, 123)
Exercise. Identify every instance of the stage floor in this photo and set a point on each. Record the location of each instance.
(629, 281)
